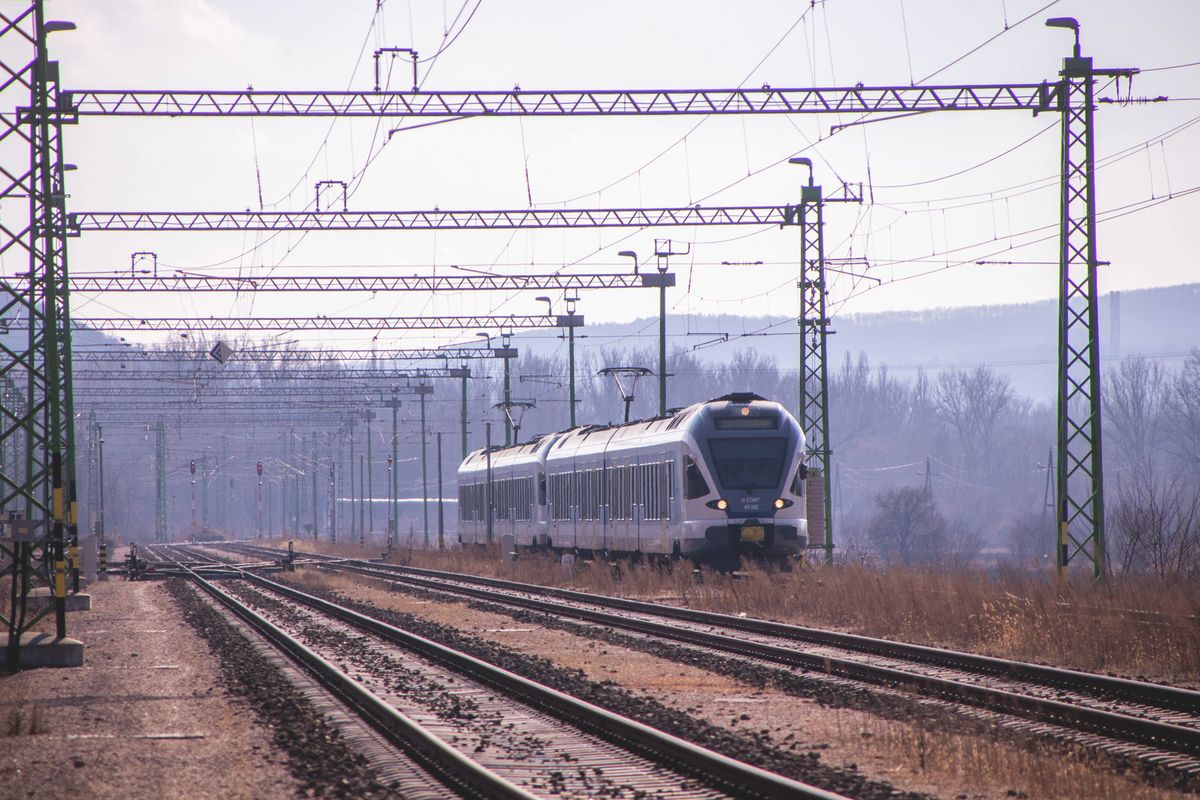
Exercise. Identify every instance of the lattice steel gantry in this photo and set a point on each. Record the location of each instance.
(1080, 472)
(39, 415)
(814, 330)
(37, 487)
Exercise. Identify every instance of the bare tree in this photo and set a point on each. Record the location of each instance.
(907, 526)
(972, 404)
(1182, 418)
(1156, 528)
(1135, 397)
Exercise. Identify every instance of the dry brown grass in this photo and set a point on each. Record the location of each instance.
(1135, 627)
(911, 755)
(26, 721)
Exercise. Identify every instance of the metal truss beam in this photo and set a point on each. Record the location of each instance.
(642, 102)
(358, 283)
(509, 322)
(219, 405)
(225, 392)
(83, 377)
(504, 219)
(278, 357)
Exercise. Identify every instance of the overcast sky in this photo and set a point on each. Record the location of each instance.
(945, 188)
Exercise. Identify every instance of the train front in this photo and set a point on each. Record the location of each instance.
(744, 492)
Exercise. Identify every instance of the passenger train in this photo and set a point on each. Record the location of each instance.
(710, 483)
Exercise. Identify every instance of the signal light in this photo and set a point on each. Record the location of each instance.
(192, 467)
(259, 468)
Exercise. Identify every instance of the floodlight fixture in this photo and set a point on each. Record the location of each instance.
(633, 255)
(1070, 23)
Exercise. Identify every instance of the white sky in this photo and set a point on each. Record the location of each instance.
(920, 220)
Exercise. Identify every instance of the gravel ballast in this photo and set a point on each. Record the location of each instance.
(751, 747)
(317, 755)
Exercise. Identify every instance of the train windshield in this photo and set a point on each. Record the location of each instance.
(748, 463)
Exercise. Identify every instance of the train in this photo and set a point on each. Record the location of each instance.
(713, 482)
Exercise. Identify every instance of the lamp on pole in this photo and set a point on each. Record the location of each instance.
(192, 469)
(466, 373)
(1071, 24)
(508, 428)
(633, 255)
(662, 252)
(508, 353)
(391, 502)
(571, 322)
(100, 527)
(393, 463)
(258, 523)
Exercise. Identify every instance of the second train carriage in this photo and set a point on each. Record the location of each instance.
(711, 482)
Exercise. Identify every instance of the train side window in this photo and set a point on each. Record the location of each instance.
(541, 490)
(696, 485)
(798, 481)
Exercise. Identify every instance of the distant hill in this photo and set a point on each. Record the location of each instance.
(1020, 340)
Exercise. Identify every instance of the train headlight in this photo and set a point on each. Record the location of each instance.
(781, 503)
(719, 505)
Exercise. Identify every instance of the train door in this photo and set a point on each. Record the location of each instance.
(541, 512)
(666, 496)
(638, 498)
(573, 503)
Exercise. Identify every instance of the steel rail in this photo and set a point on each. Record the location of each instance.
(1127, 728)
(626, 733)
(443, 761)
(1159, 695)
(558, 103)
(1115, 725)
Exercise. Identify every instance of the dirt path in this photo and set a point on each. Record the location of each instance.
(144, 717)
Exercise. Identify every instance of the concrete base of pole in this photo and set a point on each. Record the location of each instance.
(89, 556)
(43, 650)
(41, 597)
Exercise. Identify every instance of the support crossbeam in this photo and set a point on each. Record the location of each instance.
(354, 283)
(511, 321)
(280, 357)
(517, 103)
(84, 376)
(433, 220)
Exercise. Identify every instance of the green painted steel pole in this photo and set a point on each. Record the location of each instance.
(571, 368)
(463, 413)
(424, 391)
(662, 348)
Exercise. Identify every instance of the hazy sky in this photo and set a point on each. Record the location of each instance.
(945, 188)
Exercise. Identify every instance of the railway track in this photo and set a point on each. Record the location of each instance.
(1151, 722)
(481, 730)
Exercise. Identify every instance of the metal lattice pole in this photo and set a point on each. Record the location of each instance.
(36, 427)
(160, 482)
(814, 326)
(93, 470)
(1080, 476)
(424, 391)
